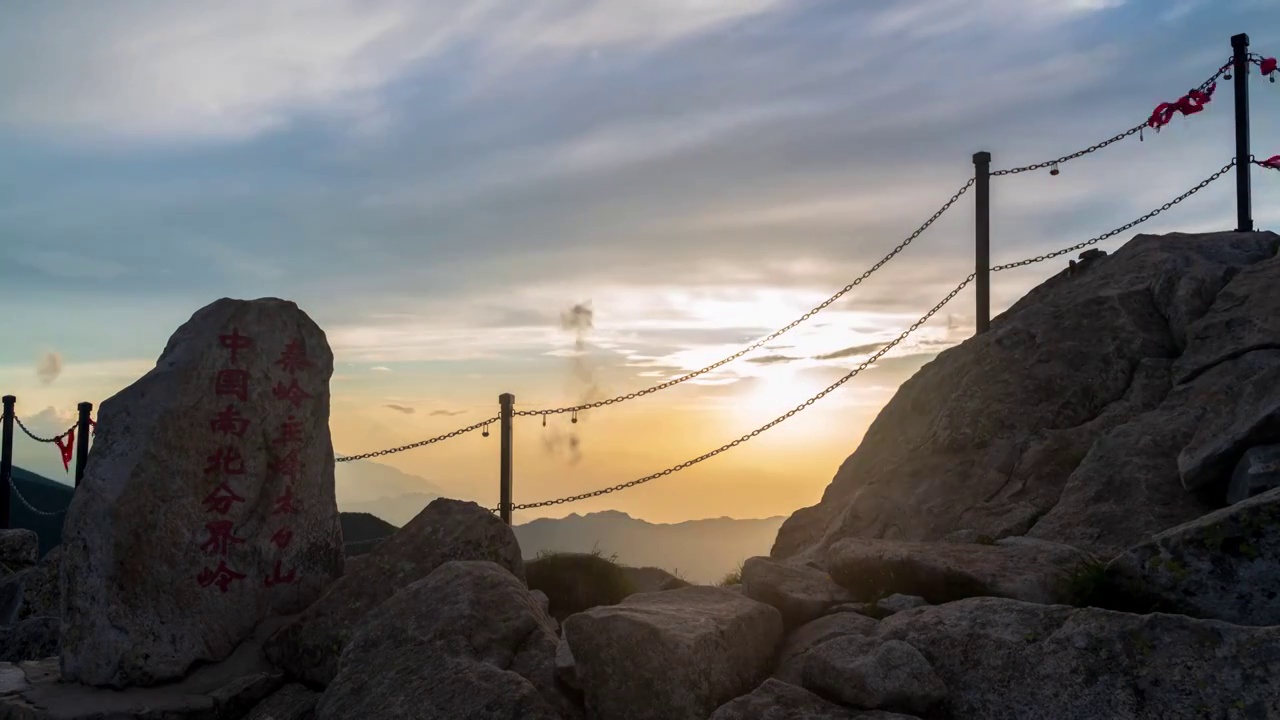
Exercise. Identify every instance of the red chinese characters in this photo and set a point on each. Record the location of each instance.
(221, 537)
(222, 499)
(292, 393)
(294, 357)
(286, 462)
(277, 579)
(282, 538)
(225, 460)
(235, 342)
(229, 422)
(284, 503)
(222, 576)
(233, 382)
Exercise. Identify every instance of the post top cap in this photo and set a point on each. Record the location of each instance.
(982, 156)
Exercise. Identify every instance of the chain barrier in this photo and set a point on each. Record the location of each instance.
(1040, 258)
(756, 345)
(438, 438)
(368, 541)
(28, 504)
(852, 374)
(1094, 148)
(39, 439)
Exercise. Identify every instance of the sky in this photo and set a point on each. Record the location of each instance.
(440, 184)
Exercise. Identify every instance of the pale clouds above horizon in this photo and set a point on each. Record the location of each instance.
(435, 182)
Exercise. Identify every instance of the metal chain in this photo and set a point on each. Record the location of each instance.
(852, 374)
(1104, 143)
(662, 386)
(368, 541)
(37, 438)
(420, 443)
(1040, 258)
(28, 504)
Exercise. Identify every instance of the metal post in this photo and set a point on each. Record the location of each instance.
(6, 459)
(1240, 68)
(982, 238)
(507, 401)
(82, 439)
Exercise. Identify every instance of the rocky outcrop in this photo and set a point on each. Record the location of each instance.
(1085, 412)
(467, 641)
(799, 592)
(796, 648)
(35, 638)
(291, 702)
(1021, 568)
(776, 700)
(446, 530)
(1223, 566)
(874, 674)
(652, 579)
(1009, 660)
(33, 592)
(1257, 472)
(675, 655)
(19, 549)
(207, 502)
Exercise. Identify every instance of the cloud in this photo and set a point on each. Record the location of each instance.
(446, 413)
(50, 421)
(401, 408)
(380, 368)
(867, 349)
(49, 367)
(770, 359)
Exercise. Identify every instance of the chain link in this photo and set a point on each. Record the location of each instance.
(1040, 258)
(1104, 143)
(37, 438)
(28, 504)
(662, 386)
(368, 541)
(852, 374)
(388, 451)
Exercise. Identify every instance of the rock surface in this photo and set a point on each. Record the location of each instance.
(898, 602)
(466, 642)
(308, 647)
(874, 674)
(35, 638)
(776, 700)
(708, 645)
(1223, 566)
(291, 702)
(19, 549)
(1151, 366)
(800, 593)
(1257, 472)
(652, 579)
(797, 646)
(1025, 569)
(1009, 660)
(207, 502)
(34, 592)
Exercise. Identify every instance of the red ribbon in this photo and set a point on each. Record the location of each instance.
(1189, 104)
(66, 449)
(1268, 66)
(1272, 162)
(93, 428)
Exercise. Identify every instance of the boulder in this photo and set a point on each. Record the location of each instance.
(1223, 566)
(35, 638)
(800, 593)
(291, 702)
(776, 700)
(207, 502)
(1009, 660)
(33, 592)
(1257, 472)
(467, 641)
(672, 655)
(1025, 569)
(308, 647)
(874, 674)
(804, 639)
(566, 667)
(652, 579)
(898, 602)
(1109, 374)
(19, 549)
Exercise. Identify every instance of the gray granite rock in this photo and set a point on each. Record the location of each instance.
(35, 638)
(898, 602)
(1223, 566)
(776, 700)
(1257, 472)
(804, 639)
(309, 646)
(466, 642)
(800, 593)
(19, 549)
(291, 702)
(674, 655)
(874, 674)
(207, 503)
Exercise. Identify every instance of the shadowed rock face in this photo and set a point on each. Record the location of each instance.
(1102, 408)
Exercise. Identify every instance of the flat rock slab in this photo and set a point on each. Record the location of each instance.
(1223, 566)
(207, 503)
(1009, 660)
(799, 592)
(674, 655)
(309, 646)
(776, 700)
(1020, 568)
(874, 674)
(223, 691)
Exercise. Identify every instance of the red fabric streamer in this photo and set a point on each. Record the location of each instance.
(93, 428)
(1272, 162)
(66, 449)
(1189, 104)
(1268, 65)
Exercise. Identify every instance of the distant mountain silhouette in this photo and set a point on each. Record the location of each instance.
(46, 495)
(397, 511)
